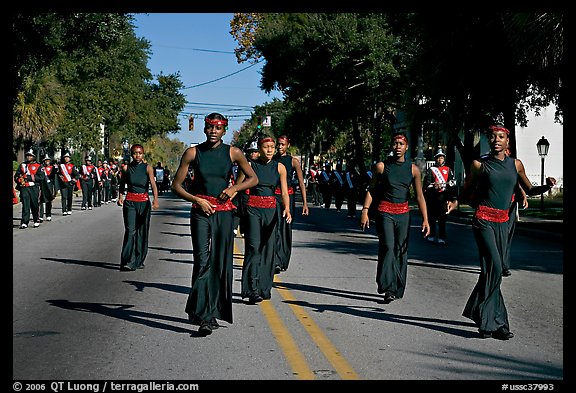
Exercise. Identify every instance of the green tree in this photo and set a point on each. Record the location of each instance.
(100, 69)
(337, 66)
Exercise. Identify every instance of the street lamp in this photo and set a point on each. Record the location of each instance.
(543, 145)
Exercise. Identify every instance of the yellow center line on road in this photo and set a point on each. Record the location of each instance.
(293, 355)
(324, 344)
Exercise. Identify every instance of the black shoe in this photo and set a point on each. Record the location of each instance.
(389, 298)
(506, 273)
(214, 323)
(484, 333)
(126, 268)
(255, 299)
(205, 329)
(277, 269)
(502, 334)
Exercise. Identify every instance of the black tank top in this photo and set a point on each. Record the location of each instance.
(496, 182)
(137, 179)
(394, 184)
(212, 169)
(287, 161)
(268, 178)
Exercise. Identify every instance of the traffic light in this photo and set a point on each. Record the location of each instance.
(191, 123)
(259, 122)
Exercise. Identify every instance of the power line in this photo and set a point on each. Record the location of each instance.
(210, 104)
(223, 77)
(196, 49)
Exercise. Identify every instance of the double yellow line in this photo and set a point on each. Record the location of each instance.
(291, 351)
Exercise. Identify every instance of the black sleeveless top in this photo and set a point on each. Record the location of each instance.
(287, 161)
(394, 184)
(136, 177)
(212, 169)
(496, 182)
(268, 178)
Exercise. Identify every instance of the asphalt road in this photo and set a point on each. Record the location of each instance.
(77, 317)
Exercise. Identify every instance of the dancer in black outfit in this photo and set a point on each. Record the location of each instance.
(389, 190)
(211, 221)
(492, 180)
(137, 177)
(263, 217)
(284, 233)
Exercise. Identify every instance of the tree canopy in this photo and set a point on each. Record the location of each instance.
(74, 72)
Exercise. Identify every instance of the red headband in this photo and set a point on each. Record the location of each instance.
(264, 140)
(216, 122)
(400, 137)
(499, 128)
(285, 138)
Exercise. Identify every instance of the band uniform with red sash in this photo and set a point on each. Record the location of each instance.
(66, 170)
(28, 174)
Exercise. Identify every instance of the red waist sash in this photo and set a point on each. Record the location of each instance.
(220, 207)
(263, 202)
(491, 214)
(278, 191)
(137, 197)
(393, 208)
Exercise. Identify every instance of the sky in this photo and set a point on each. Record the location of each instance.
(200, 48)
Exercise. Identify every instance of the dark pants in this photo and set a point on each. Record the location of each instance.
(485, 306)
(259, 249)
(66, 193)
(352, 199)
(87, 190)
(436, 206)
(107, 191)
(213, 249)
(97, 194)
(326, 195)
(339, 194)
(313, 192)
(30, 197)
(392, 268)
(136, 228)
(284, 235)
(46, 198)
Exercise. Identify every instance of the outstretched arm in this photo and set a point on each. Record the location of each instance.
(527, 186)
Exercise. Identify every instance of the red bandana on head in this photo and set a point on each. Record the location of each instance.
(400, 137)
(264, 140)
(216, 122)
(499, 128)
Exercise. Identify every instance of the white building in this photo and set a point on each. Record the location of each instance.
(526, 140)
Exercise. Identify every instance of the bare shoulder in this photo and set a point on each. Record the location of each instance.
(189, 153)
(235, 152)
